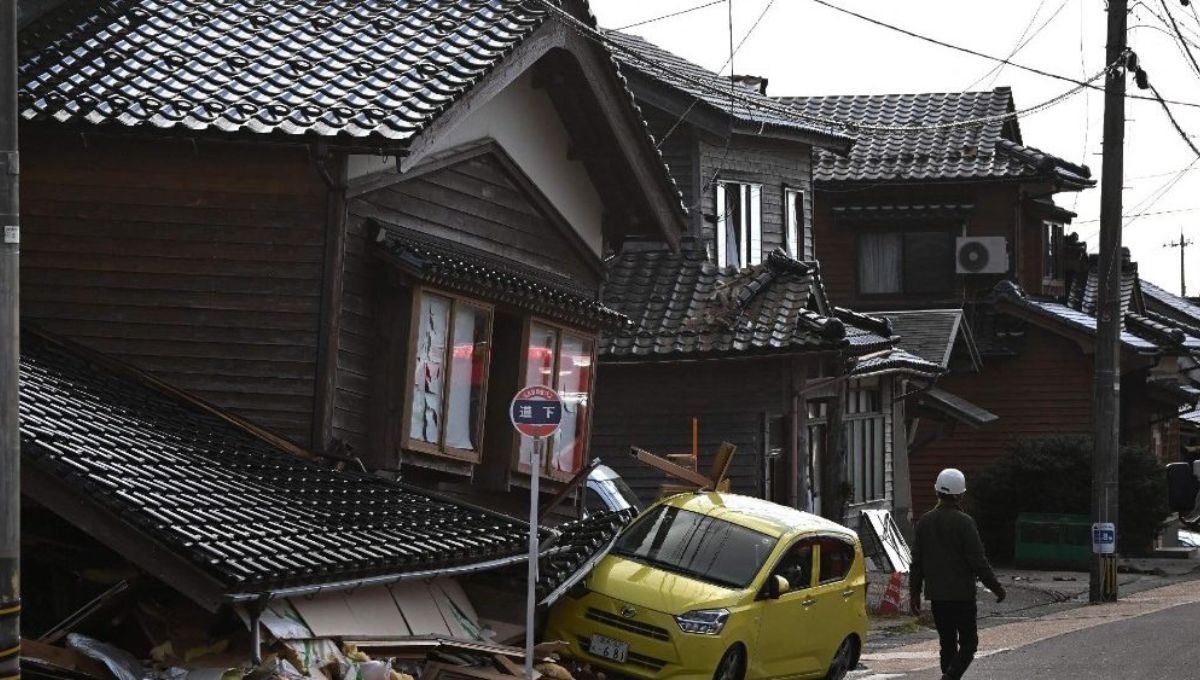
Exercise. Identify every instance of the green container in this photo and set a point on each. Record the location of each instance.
(1053, 541)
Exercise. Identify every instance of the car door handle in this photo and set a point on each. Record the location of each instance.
(808, 601)
(848, 592)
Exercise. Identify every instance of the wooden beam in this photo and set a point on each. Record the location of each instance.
(332, 291)
(110, 529)
(665, 466)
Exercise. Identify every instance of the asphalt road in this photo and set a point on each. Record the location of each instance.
(1154, 646)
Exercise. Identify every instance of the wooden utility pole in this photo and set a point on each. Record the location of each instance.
(1182, 245)
(1109, 318)
(10, 438)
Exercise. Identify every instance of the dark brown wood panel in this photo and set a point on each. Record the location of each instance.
(1046, 390)
(651, 406)
(200, 263)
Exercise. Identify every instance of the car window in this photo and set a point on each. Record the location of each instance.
(696, 545)
(796, 565)
(837, 556)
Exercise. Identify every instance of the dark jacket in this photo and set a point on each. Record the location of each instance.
(948, 556)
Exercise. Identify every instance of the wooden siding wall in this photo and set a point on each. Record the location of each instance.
(1046, 390)
(200, 263)
(679, 149)
(837, 243)
(773, 164)
(473, 203)
(651, 406)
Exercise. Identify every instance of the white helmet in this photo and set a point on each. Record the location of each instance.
(951, 481)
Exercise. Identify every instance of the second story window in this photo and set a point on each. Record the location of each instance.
(793, 219)
(1052, 238)
(906, 262)
(562, 360)
(739, 224)
(450, 366)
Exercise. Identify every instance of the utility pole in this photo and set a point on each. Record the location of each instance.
(10, 437)
(1182, 245)
(1109, 319)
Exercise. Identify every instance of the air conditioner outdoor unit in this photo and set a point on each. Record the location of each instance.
(981, 255)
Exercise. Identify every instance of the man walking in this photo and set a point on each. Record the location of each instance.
(947, 558)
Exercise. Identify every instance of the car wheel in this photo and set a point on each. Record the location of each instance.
(732, 665)
(843, 661)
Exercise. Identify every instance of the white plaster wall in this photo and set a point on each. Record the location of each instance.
(522, 120)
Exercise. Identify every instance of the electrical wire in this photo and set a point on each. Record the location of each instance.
(1183, 43)
(966, 50)
(835, 125)
(1166, 109)
(671, 15)
(1021, 43)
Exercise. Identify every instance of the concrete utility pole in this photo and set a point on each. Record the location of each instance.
(10, 438)
(1109, 319)
(1182, 245)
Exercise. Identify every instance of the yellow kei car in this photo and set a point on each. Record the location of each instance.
(724, 587)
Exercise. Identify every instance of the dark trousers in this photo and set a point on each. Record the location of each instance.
(958, 633)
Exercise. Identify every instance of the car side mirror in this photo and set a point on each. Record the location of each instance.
(775, 587)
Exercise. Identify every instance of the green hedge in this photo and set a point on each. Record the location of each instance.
(1054, 475)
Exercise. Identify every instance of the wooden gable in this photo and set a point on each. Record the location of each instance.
(481, 200)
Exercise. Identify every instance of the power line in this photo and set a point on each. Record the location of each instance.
(1148, 214)
(1183, 43)
(966, 50)
(771, 106)
(1022, 42)
(671, 15)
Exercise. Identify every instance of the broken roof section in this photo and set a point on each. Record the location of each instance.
(200, 500)
(681, 304)
(992, 149)
(745, 109)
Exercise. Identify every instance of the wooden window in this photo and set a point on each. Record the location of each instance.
(739, 224)
(559, 358)
(450, 352)
(906, 262)
(865, 446)
(793, 208)
(836, 557)
(1052, 238)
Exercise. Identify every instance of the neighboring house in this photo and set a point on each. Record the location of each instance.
(1168, 308)
(893, 216)
(360, 228)
(918, 221)
(736, 330)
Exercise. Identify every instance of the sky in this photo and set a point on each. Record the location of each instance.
(807, 49)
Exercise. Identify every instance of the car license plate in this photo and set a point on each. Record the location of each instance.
(608, 648)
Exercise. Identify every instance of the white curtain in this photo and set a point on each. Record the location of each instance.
(880, 263)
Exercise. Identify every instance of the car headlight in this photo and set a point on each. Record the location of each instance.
(703, 621)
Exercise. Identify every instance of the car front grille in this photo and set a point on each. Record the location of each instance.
(631, 658)
(636, 627)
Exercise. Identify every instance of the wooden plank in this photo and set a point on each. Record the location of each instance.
(720, 466)
(331, 317)
(62, 657)
(669, 468)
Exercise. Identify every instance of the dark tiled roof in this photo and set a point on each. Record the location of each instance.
(927, 333)
(990, 150)
(866, 334)
(251, 515)
(749, 109)
(956, 407)
(896, 360)
(478, 273)
(1169, 304)
(682, 304)
(379, 70)
(1140, 334)
(579, 545)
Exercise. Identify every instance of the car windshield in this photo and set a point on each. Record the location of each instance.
(696, 545)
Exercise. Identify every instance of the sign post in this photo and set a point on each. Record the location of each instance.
(536, 412)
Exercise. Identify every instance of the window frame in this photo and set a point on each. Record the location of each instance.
(750, 218)
(903, 291)
(813, 567)
(1053, 235)
(440, 448)
(793, 231)
(872, 468)
(562, 330)
(819, 572)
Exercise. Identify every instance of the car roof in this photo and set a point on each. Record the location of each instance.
(757, 514)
